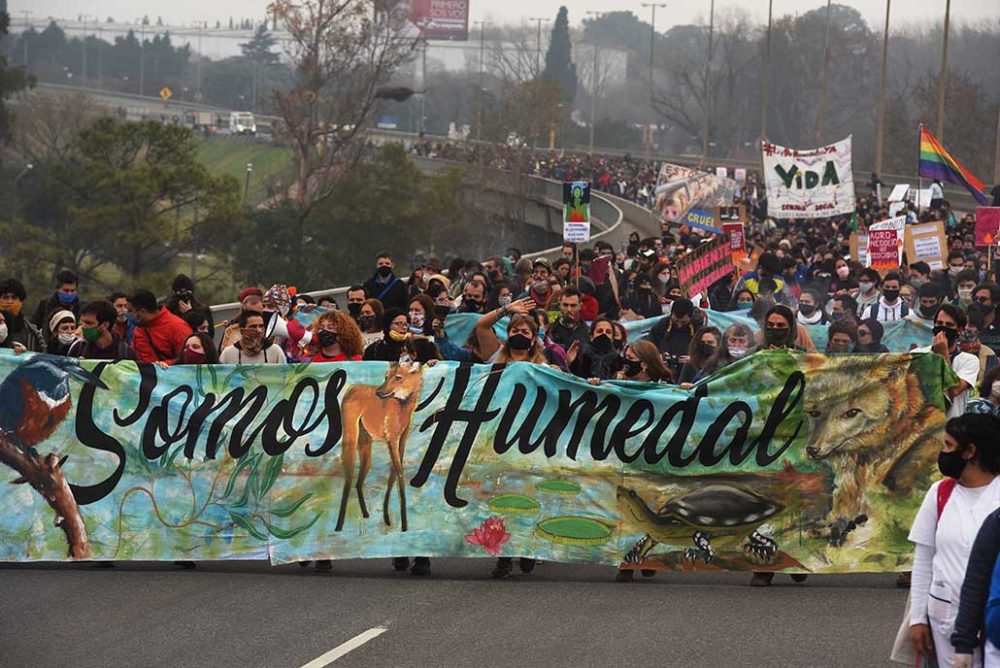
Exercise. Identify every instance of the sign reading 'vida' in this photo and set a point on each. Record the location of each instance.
(814, 183)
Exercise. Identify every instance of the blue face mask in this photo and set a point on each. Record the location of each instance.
(130, 319)
(743, 306)
(65, 298)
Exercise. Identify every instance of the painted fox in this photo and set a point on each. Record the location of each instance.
(869, 418)
(382, 413)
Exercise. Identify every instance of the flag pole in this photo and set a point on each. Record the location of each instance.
(920, 178)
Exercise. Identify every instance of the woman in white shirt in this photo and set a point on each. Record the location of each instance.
(944, 530)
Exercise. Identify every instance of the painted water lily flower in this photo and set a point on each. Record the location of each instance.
(491, 535)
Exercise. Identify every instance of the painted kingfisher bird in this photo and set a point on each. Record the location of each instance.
(35, 398)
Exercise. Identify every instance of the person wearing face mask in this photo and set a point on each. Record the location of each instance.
(183, 301)
(841, 337)
(598, 358)
(965, 286)
(63, 299)
(252, 348)
(703, 347)
(734, 346)
(672, 336)
(660, 278)
(252, 301)
(890, 306)
(988, 401)
(642, 362)
(384, 286)
(929, 299)
(843, 279)
(99, 340)
(19, 333)
(868, 291)
(870, 334)
(538, 286)
(356, 297)
(336, 338)
(810, 310)
(639, 298)
(920, 273)
(969, 342)
(743, 301)
(421, 312)
(124, 325)
(944, 532)
(473, 298)
(765, 279)
(523, 344)
(198, 349)
(948, 324)
(61, 332)
(370, 321)
(780, 329)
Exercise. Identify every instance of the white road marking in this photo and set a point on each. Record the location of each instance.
(347, 647)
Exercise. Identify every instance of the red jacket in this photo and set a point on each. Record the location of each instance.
(161, 339)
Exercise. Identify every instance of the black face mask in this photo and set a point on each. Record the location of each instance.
(981, 309)
(472, 305)
(890, 295)
(384, 271)
(929, 312)
(776, 337)
(602, 343)
(706, 350)
(951, 334)
(327, 338)
(354, 310)
(366, 322)
(807, 309)
(631, 368)
(519, 342)
(951, 464)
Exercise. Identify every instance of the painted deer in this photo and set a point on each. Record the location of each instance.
(382, 413)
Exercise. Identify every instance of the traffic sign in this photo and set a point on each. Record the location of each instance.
(165, 93)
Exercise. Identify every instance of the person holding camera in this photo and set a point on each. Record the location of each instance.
(183, 301)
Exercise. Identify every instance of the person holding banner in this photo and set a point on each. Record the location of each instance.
(522, 345)
(944, 530)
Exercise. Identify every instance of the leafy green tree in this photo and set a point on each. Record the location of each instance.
(559, 67)
(384, 197)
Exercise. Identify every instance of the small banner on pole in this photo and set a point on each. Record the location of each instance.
(576, 211)
(987, 226)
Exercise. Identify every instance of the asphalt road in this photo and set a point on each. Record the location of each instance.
(249, 614)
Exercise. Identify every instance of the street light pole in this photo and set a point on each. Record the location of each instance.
(708, 76)
(246, 183)
(142, 58)
(944, 72)
(479, 89)
(538, 46)
(24, 35)
(767, 73)
(821, 118)
(17, 179)
(593, 87)
(880, 123)
(84, 18)
(201, 25)
(652, 53)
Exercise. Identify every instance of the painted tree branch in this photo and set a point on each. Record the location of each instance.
(44, 474)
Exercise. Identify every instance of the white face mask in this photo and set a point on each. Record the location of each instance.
(417, 319)
(955, 271)
(67, 339)
(842, 272)
(505, 300)
(737, 353)
(866, 286)
(3, 332)
(663, 278)
(995, 390)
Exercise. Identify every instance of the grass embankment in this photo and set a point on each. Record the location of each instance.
(230, 155)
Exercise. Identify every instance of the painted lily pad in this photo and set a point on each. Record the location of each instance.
(514, 503)
(574, 530)
(559, 486)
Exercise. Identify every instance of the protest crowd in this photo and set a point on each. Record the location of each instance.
(603, 313)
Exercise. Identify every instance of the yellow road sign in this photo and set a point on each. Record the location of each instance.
(166, 93)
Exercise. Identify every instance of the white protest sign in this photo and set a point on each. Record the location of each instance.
(899, 192)
(885, 244)
(812, 183)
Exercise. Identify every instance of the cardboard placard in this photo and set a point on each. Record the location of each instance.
(927, 243)
(885, 244)
(859, 248)
(702, 267)
(737, 242)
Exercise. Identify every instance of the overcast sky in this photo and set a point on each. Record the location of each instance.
(516, 11)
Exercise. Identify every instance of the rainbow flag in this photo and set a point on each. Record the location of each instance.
(937, 163)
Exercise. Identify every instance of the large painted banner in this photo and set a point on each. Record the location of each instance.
(679, 189)
(814, 183)
(780, 462)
